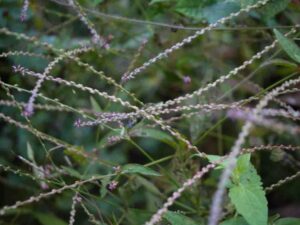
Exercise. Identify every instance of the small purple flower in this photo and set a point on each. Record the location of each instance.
(22, 17)
(95, 38)
(47, 170)
(106, 46)
(44, 185)
(113, 139)
(187, 79)
(124, 78)
(233, 113)
(77, 123)
(78, 199)
(107, 41)
(112, 185)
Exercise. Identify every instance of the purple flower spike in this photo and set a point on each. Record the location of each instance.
(240, 114)
(24, 10)
(28, 110)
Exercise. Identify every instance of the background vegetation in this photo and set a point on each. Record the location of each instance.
(129, 167)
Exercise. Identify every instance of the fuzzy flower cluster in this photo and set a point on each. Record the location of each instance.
(112, 185)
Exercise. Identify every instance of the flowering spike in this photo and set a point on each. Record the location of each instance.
(24, 10)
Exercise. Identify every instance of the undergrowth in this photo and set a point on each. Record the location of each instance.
(149, 112)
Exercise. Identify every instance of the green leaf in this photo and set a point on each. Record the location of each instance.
(103, 190)
(282, 63)
(210, 10)
(245, 3)
(193, 9)
(114, 132)
(247, 194)
(154, 134)
(72, 172)
(95, 106)
(137, 216)
(158, 1)
(273, 8)
(75, 154)
(136, 168)
(30, 153)
(178, 219)
(148, 185)
(96, 2)
(241, 169)
(290, 47)
(48, 219)
(250, 202)
(214, 158)
(235, 221)
(269, 10)
(288, 221)
(219, 10)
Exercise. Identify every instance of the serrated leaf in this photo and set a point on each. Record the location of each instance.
(250, 202)
(247, 194)
(139, 169)
(288, 221)
(178, 219)
(210, 10)
(242, 169)
(290, 47)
